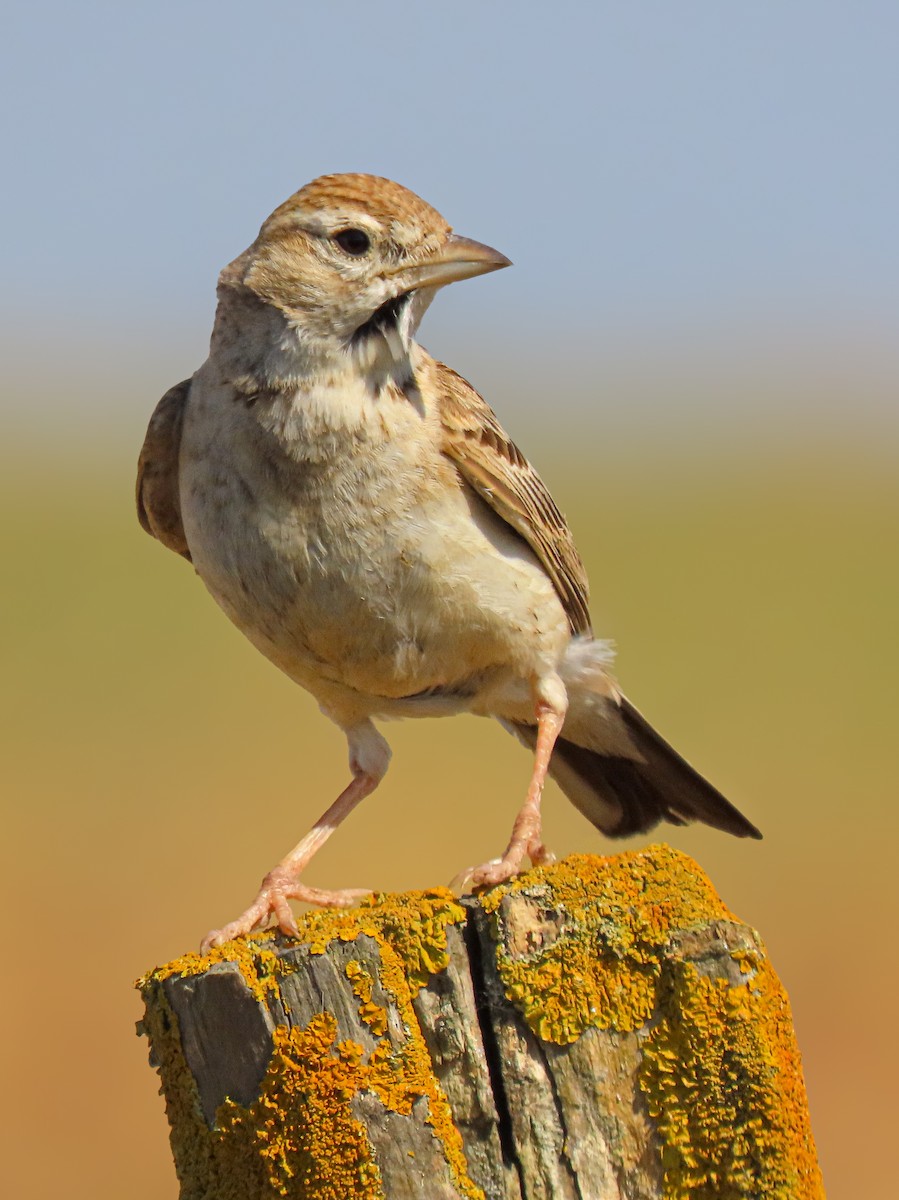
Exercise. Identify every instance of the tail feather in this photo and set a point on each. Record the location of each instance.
(626, 795)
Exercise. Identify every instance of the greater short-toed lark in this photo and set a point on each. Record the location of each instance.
(358, 511)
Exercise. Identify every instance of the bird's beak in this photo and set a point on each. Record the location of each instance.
(457, 258)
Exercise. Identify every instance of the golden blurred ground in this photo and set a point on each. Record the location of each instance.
(156, 766)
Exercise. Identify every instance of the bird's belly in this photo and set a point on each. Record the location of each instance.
(368, 576)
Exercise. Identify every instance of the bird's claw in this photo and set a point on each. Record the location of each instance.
(540, 855)
(278, 887)
(501, 870)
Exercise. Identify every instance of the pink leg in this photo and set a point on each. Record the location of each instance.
(526, 839)
(369, 756)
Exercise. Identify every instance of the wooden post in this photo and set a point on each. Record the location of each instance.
(600, 1029)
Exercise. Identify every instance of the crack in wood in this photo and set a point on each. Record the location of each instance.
(472, 936)
(452, 1092)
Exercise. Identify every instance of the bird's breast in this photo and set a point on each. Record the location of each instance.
(347, 547)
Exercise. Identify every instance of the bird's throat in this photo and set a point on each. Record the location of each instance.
(384, 321)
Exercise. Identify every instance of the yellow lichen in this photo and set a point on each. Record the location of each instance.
(301, 1131)
(618, 914)
(723, 1081)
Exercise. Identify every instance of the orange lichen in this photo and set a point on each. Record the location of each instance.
(202, 1171)
(723, 1081)
(306, 1070)
(589, 943)
(363, 985)
(413, 923)
(301, 1129)
(257, 962)
(300, 1132)
(603, 967)
(720, 1068)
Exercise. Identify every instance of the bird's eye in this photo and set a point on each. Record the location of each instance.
(353, 241)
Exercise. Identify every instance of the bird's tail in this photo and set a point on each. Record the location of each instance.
(620, 773)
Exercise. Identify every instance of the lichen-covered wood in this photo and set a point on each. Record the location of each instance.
(600, 1029)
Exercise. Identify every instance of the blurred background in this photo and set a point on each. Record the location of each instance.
(697, 347)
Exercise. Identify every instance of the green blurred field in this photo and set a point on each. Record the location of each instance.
(157, 766)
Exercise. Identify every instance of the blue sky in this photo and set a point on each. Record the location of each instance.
(649, 166)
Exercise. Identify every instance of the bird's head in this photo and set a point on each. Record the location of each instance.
(353, 262)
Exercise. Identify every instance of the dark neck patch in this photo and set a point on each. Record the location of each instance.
(410, 391)
(382, 318)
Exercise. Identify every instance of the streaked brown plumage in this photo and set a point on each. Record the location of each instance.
(358, 511)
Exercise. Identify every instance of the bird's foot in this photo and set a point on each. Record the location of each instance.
(540, 855)
(278, 887)
(500, 870)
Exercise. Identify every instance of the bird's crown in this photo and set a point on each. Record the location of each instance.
(383, 202)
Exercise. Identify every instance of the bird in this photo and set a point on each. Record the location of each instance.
(359, 513)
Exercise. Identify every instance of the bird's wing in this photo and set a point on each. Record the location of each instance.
(158, 501)
(492, 464)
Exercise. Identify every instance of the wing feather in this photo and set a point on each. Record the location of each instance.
(491, 463)
(158, 500)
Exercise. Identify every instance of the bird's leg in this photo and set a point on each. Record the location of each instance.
(369, 756)
(526, 839)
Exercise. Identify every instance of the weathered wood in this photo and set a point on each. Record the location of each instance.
(602, 1029)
